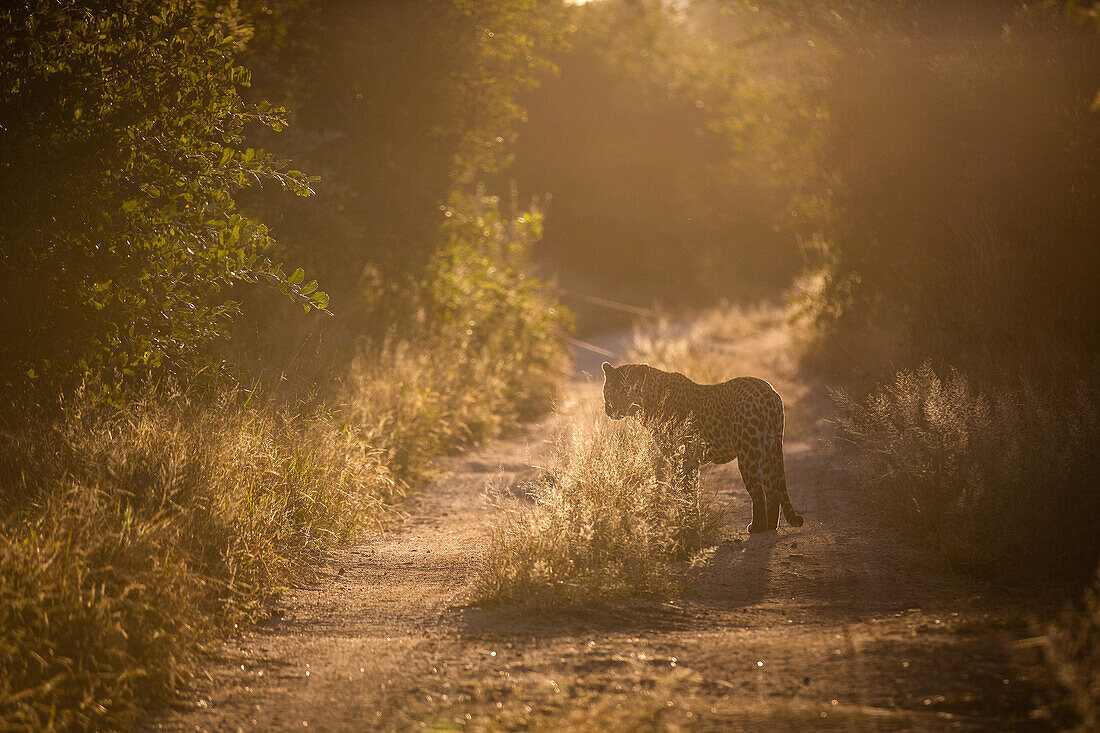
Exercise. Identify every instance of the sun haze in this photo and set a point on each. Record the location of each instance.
(500, 365)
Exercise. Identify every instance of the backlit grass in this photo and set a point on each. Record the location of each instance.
(598, 525)
(130, 539)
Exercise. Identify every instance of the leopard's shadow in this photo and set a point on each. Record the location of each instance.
(736, 575)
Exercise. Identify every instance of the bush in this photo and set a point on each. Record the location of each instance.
(597, 526)
(1002, 480)
(1073, 652)
(123, 154)
(481, 292)
(399, 106)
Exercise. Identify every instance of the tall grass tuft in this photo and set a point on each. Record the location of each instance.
(598, 525)
(1002, 479)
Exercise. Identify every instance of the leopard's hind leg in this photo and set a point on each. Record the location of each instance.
(764, 477)
(773, 471)
(752, 472)
(777, 478)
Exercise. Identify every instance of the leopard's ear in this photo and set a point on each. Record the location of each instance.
(607, 368)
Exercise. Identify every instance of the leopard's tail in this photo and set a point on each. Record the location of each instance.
(793, 518)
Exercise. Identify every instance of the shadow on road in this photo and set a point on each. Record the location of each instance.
(737, 574)
(641, 617)
(735, 577)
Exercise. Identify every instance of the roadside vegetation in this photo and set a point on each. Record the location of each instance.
(1000, 481)
(952, 294)
(133, 536)
(601, 524)
(963, 302)
(1072, 646)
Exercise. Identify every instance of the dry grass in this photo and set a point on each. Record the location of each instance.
(415, 402)
(1073, 652)
(130, 539)
(705, 348)
(597, 526)
(1002, 479)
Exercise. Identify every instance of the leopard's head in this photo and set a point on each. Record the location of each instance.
(622, 390)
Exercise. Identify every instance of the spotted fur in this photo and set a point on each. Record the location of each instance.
(741, 418)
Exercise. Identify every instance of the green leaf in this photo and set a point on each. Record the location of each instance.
(297, 276)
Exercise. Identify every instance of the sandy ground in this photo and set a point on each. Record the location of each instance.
(839, 624)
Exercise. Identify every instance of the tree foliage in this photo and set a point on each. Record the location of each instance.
(410, 112)
(123, 150)
(961, 163)
(397, 105)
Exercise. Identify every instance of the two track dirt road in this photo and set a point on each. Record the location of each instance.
(839, 624)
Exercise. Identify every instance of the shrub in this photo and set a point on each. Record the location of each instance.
(1001, 479)
(597, 526)
(1073, 652)
(480, 290)
(123, 153)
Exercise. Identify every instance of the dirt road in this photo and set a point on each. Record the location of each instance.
(838, 624)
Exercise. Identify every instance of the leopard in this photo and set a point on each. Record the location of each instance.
(741, 419)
